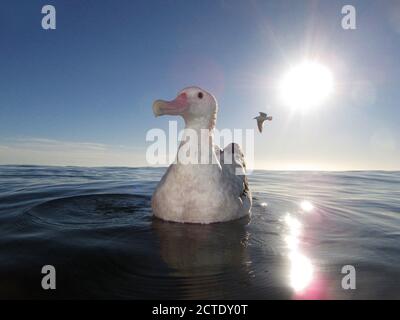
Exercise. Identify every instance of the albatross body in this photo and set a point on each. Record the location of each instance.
(213, 188)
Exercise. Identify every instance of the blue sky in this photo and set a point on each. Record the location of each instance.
(82, 94)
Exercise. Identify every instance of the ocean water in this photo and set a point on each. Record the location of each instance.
(94, 225)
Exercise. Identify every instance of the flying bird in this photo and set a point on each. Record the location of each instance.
(214, 191)
(260, 120)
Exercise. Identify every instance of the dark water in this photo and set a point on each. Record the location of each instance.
(95, 227)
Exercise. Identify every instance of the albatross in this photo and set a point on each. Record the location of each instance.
(215, 191)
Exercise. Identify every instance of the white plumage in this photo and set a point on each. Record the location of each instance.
(197, 192)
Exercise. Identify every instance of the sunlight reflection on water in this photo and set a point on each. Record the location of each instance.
(301, 268)
(306, 206)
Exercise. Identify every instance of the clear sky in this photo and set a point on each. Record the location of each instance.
(82, 94)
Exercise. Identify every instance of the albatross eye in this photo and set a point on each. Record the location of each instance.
(200, 95)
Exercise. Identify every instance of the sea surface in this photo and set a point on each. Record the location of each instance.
(95, 226)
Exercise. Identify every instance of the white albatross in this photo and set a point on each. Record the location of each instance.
(198, 192)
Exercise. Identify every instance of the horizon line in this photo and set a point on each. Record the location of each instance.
(156, 167)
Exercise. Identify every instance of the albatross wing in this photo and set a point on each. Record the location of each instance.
(234, 171)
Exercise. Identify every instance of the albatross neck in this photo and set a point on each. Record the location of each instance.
(202, 144)
(201, 123)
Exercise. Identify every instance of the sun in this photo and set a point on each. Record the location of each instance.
(306, 85)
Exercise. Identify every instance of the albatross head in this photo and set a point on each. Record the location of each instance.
(194, 104)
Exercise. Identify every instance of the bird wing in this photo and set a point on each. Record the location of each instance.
(260, 124)
(234, 170)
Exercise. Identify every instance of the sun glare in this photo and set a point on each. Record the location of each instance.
(306, 85)
(306, 206)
